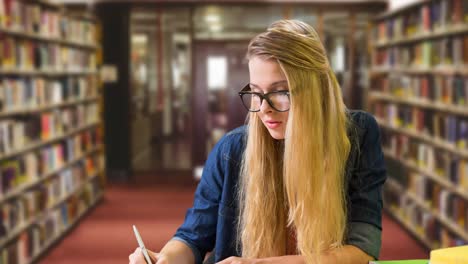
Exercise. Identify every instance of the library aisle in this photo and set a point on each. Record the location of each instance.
(106, 235)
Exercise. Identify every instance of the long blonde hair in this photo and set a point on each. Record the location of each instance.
(297, 184)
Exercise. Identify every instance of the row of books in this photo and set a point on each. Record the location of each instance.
(38, 236)
(30, 93)
(32, 166)
(30, 17)
(427, 158)
(431, 17)
(19, 210)
(424, 223)
(16, 53)
(447, 127)
(451, 51)
(452, 90)
(15, 134)
(444, 201)
(54, 124)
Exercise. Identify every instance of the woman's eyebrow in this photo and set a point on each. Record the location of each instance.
(273, 84)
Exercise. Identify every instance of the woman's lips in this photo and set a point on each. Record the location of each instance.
(272, 124)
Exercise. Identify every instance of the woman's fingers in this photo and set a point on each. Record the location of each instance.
(136, 257)
(153, 255)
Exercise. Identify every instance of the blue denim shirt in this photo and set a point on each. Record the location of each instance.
(211, 223)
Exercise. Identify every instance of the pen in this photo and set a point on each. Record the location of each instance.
(142, 245)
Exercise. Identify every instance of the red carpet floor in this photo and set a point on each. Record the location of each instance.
(105, 235)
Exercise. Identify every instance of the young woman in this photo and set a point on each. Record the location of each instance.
(301, 182)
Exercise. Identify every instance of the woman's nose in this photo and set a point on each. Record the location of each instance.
(265, 107)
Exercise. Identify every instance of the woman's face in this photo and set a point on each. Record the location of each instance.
(267, 76)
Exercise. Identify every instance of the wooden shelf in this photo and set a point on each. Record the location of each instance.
(42, 143)
(424, 240)
(437, 70)
(51, 73)
(42, 214)
(54, 72)
(65, 231)
(453, 30)
(423, 137)
(20, 189)
(81, 16)
(454, 228)
(430, 174)
(453, 109)
(384, 42)
(34, 36)
(49, 4)
(397, 215)
(40, 109)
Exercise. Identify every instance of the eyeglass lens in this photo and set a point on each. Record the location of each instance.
(253, 102)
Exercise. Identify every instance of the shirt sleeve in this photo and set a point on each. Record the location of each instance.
(365, 236)
(365, 191)
(198, 230)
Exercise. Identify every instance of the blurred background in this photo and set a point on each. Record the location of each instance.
(188, 63)
(110, 108)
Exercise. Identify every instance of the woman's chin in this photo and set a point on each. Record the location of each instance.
(278, 135)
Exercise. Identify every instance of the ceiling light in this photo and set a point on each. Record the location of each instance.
(212, 18)
(216, 28)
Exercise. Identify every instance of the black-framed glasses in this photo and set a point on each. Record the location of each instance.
(278, 100)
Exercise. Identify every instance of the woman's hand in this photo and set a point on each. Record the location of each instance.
(237, 260)
(290, 259)
(137, 257)
(173, 252)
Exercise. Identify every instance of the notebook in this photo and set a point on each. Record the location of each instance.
(458, 255)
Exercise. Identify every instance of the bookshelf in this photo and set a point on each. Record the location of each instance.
(51, 134)
(419, 95)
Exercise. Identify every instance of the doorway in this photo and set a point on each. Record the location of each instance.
(161, 90)
(220, 71)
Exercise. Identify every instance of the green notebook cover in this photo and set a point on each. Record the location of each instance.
(414, 261)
